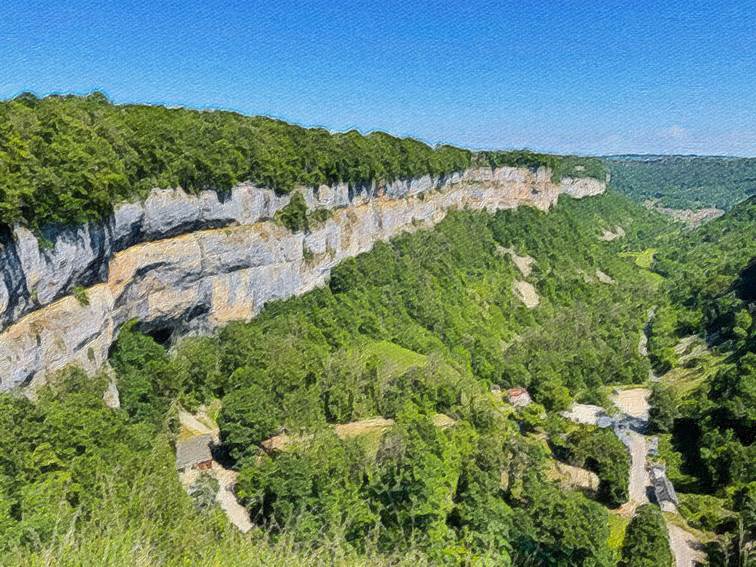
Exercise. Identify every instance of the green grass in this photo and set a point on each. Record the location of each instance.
(213, 410)
(705, 512)
(370, 442)
(646, 258)
(394, 360)
(685, 380)
(654, 279)
(679, 521)
(617, 526)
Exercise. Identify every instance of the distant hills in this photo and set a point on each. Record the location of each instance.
(684, 182)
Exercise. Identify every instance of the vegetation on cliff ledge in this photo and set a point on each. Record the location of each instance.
(69, 159)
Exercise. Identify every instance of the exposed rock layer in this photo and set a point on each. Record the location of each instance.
(183, 262)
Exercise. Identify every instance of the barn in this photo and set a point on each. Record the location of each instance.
(194, 453)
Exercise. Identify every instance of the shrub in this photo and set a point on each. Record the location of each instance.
(705, 512)
(294, 215)
(600, 451)
(80, 293)
(646, 540)
(247, 418)
(203, 492)
(663, 410)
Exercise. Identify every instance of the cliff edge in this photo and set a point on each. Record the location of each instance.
(189, 263)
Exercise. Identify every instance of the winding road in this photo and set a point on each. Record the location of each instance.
(633, 403)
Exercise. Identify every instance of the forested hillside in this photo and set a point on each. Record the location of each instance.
(684, 182)
(709, 284)
(377, 420)
(69, 159)
(704, 338)
(420, 327)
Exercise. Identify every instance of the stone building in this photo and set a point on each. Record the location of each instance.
(663, 489)
(194, 453)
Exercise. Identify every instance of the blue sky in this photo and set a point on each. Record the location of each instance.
(585, 77)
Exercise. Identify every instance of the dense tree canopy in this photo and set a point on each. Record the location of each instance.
(69, 159)
(709, 272)
(420, 326)
(685, 182)
(709, 292)
(417, 331)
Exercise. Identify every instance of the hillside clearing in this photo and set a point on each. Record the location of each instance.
(526, 293)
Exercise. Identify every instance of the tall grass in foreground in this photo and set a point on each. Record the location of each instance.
(139, 547)
(150, 521)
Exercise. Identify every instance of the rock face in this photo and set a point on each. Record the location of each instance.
(189, 263)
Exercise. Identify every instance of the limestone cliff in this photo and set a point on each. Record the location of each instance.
(185, 263)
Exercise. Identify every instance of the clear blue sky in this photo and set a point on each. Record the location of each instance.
(587, 77)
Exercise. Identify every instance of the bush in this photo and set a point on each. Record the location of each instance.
(203, 492)
(706, 512)
(599, 450)
(294, 215)
(80, 293)
(309, 489)
(247, 418)
(663, 408)
(646, 540)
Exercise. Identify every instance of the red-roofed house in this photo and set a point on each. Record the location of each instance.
(518, 397)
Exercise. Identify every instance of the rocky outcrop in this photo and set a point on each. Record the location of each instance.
(189, 263)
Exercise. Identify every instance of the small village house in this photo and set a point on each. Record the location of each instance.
(663, 489)
(194, 453)
(518, 397)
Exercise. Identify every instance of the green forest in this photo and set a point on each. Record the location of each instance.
(684, 182)
(70, 159)
(705, 405)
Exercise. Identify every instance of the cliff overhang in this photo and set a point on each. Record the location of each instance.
(190, 263)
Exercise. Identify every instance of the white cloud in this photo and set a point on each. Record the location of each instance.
(675, 133)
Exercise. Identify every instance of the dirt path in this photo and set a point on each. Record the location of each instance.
(523, 263)
(586, 414)
(196, 427)
(685, 547)
(640, 481)
(634, 404)
(526, 293)
(237, 514)
(226, 499)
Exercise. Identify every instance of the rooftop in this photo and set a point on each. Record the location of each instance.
(663, 488)
(192, 451)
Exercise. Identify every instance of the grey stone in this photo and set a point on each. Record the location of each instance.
(191, 263)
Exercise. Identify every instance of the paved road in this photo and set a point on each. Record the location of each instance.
(640, 481)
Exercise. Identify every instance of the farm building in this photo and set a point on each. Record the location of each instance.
(663, 489)
(518, 397)
(194, 453)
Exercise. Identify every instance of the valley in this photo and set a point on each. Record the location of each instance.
(367, 352)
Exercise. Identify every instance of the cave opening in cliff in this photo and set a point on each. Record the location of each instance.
(162, 336)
